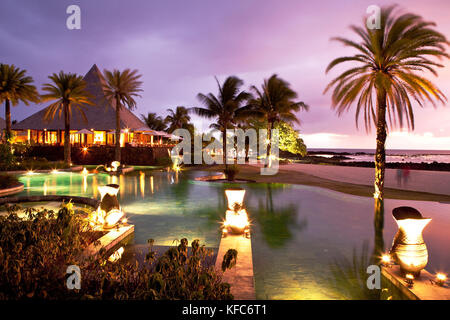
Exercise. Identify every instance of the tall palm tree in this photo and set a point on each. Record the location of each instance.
(154, 121)
(178, 118)
(120, 89)
(15, 87)
(384, 76)
(275, 102)
(69, 91)
(224, 107)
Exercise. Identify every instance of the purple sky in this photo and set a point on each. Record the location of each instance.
(179, 46)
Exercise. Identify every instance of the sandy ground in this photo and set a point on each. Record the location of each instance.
(437, 182)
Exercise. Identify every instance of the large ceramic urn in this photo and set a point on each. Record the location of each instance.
(109, 205)
(409, 249)
(236, 218)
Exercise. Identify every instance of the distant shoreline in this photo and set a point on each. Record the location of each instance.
(337, 161)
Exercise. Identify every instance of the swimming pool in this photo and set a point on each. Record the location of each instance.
(298, 232)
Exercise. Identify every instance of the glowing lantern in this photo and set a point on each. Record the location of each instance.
(115, 165)
(409, 280)
(116, 255)
(236, 222)
(235, 198)
(386, 260)
(440, 279)
(409, 248)
(236, 218)
(109, 210)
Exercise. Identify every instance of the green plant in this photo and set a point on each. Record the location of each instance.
(231, 171)
(290, 140)
(36, 250)
(7, 158)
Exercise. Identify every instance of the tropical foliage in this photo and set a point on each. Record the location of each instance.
(36, 249)
(289, 139)
(121, 88)
(69, 91)
(15, 87)
(178, 119)
(274, 102)
(154, 122)
(225, 107)
(385, 76)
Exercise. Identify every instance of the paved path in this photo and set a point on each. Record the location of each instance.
(437, 182)
(240, 277)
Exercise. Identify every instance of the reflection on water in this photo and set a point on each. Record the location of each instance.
(331, 245)
(349, 275)
(160, 204)
(297, 231)
(276, 224)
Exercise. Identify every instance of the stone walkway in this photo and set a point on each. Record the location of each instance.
(240, 277)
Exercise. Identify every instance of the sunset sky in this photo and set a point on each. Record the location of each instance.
(179, 46)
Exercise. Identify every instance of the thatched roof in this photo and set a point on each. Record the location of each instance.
(100, 116)
(2, 123)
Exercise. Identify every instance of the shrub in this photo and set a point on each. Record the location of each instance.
(231, 171)
(36, 250)
(7, 158)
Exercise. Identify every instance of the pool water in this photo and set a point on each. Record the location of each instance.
(300, 234)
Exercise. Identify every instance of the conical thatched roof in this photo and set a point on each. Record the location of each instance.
(100, 116)
(2, 123)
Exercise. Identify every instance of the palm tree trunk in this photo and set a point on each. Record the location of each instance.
(380, 154)
(67, 157)
(224, 146)
(117, 151)
(269, 145)
(8, 121)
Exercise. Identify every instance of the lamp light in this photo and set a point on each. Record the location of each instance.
(386, 260)
(116, 255)
(408, 247)
(235, 197)
(236, 218)
(409, 279)
(109, 211)
(441, 279)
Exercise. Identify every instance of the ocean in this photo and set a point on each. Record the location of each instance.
(394, 155)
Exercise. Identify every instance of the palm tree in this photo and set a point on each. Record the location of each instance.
(120, 89)
(275, 102)
(177, 119)
(384, 78)
(69, 91)
(15, 87)
(154, 121)
(223, 107)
